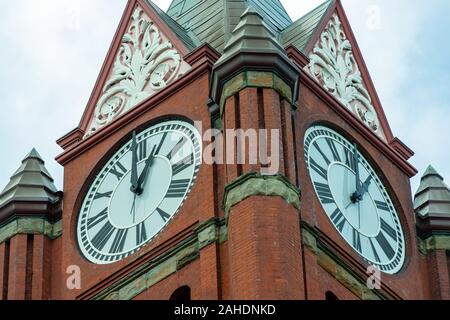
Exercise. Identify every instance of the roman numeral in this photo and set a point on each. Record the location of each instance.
(141, 233)
(350, 159)
(119, 241)
(182, 165)
(319, 169)
(142, 150)
(338, 219)
(382, 205)
(385, 245)
(164, 215)
(177, 148)
(100, 195)
(161, 143)
(102, 237)
(118, 170)
(178, 188)
(333, 149)
(388, 229)
(324, 192)
(356, 240)
(92, 222)
(316, 145)
(377, 258)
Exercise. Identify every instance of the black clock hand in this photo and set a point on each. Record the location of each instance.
(134, 174)
(144, 173)
(365, 186)
(133, 209)
(357, 196)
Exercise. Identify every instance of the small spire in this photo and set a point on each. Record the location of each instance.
(433, 196)
(33, 154)
(431, 172)
(30, 183)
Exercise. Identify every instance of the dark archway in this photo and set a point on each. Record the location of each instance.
(330, 296)
(181, 294)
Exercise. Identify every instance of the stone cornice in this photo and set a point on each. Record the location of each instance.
(434, 242)
(256, 184)
(30, 225)
(255, 79)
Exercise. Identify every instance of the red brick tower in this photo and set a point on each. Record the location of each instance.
(309, 196)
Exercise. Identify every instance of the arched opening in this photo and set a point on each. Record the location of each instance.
(181, 294)
(330, 296)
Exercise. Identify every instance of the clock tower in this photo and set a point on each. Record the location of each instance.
(228, 152)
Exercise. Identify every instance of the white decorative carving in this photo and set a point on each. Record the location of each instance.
(145, 64)
(333, 65)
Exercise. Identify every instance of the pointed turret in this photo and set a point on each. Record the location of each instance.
(254, 57)
(31, 189)
(30, 216)
(432, 204)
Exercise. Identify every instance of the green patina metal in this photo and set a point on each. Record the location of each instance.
(212, 21)
(255, 79)
(433, 243)
(166, 264)
(256, 184)
(30, 225)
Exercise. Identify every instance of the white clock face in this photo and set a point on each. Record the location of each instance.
(355, 199)
(139, 190)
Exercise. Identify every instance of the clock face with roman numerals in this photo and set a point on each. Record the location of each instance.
(139, 190)
(355, 199)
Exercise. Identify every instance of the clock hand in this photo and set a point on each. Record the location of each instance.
(365, 186)
(134, 174)
(133, 209)
(357, 196)
(144, 173)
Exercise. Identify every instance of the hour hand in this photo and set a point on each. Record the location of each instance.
(365, 186)
(134, 173)
(144, 173)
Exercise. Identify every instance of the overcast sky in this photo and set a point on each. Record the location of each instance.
(52, 52)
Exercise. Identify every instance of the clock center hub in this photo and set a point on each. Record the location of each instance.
(127, 209)
(361, 214)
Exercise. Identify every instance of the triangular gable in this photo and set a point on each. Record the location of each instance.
(146, 56)
(337, 64)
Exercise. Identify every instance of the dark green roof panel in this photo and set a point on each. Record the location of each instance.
(273, 13)
(189, 39)
(300, 32)
(212, 21)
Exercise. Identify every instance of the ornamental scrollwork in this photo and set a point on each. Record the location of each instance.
(333, 65)
(145, 64)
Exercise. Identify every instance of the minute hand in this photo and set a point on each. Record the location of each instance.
(144, 173)
(356, 161)
(134, 174)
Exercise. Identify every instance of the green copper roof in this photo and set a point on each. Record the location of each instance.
(188, 38)
(31, 182)
(300, 32)
(212, 21)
